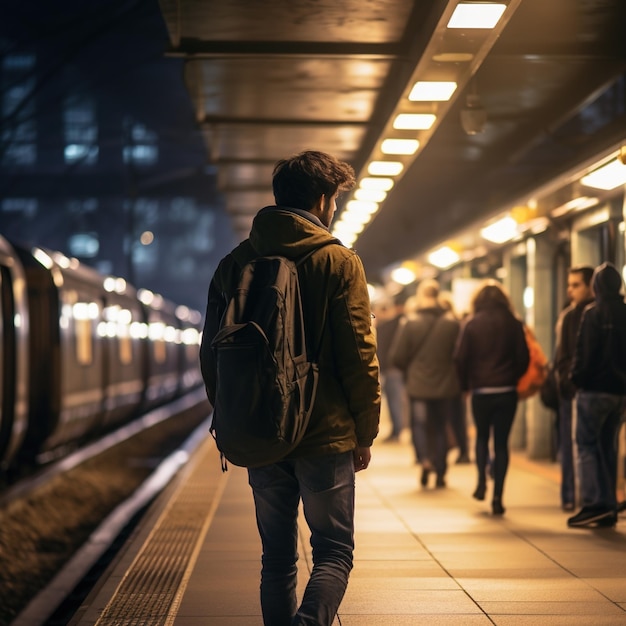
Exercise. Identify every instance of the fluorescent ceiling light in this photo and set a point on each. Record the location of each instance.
(375, 195)
(476, 15)
(607, 177)
(577, 204)
(414, 121)
(385, 184)
(399, 146)
(443, 257)
(385, 168)
(361, 206)
(403, 275)
(502, 230)
(432, 90)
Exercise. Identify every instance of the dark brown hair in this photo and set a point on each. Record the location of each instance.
(491, 294)
(301, 180)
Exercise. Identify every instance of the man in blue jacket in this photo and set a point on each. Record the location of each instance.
(599, 374)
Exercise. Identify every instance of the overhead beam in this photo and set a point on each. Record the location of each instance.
(198, 48)
(209, 121)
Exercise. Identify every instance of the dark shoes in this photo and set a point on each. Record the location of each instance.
(425, 475)
(568, 506)
(589, 516)
(496, 507)
(441, 482)
(479, 493)
(463, 459)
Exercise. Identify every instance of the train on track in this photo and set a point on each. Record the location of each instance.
(82, 353)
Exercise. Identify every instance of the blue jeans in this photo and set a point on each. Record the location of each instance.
(395, 392)
(597, 423)
(326, 486)
(566, 452)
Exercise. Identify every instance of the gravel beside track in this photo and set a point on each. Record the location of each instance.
(40, 532)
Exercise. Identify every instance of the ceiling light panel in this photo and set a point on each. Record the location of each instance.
(414, 121)
(399, 146)
(385, 168)
(607, 177)
(432, 91)
(383, 184)
(476, 15)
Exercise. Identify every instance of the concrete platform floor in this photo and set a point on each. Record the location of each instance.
(429, 556)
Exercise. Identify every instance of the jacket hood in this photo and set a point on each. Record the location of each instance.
(606, 281)
(288, 232)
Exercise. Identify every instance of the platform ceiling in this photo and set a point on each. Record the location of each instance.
(271, 78)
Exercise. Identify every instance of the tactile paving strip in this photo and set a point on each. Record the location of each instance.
(153, 586)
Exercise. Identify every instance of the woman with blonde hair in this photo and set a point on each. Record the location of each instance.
(491, 356)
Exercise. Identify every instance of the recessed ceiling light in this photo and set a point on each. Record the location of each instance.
(443, 257)
(440, 90)
(476, 15)
(384, 184)
(414, 121)
(399, 146)
(607, 177)
(385, 168)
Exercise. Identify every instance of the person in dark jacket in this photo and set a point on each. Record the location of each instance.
(392, 379)
(491, 356)
(580, 294)
(599, 375)
(422, 349)
(345, 415)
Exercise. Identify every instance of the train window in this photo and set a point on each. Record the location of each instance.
(126, 350)
(160, 352)
(84, 314)
(84, 341)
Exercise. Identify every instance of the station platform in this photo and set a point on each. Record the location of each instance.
(423, 555)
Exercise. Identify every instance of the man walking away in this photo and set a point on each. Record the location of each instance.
(580, 295)
(345, 415)
(599, 374)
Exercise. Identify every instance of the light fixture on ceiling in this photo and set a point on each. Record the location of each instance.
(577, 204)
(382, 184)
(414, 121)
(435, 91)
(443, 257)
(385, 168)
(403, 275)
(473, 114)
(500, 231)
(476, 15)
(399, 146)
(607, 177)
(373, 195)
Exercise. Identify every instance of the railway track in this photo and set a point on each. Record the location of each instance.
(47, 520)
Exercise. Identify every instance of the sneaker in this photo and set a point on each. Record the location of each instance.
(589, 516)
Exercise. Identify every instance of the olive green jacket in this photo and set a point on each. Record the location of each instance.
(337, 321)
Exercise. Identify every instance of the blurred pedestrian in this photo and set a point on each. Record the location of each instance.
(392, 378)
(491, 356)
(580, 294)
(423, 348)
(458, 418)
(599, 374)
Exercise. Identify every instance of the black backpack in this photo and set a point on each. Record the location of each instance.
(266, 381)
